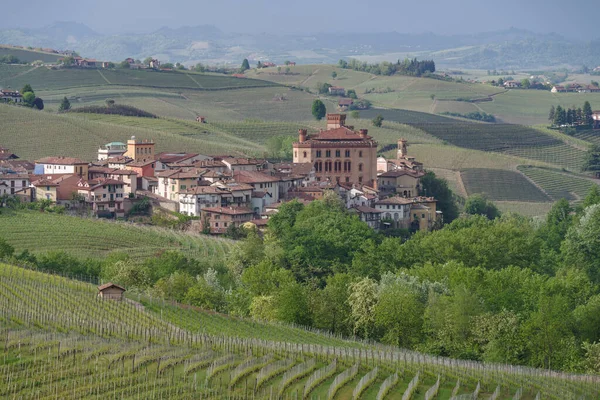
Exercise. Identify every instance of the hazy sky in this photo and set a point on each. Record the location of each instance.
(575, 18)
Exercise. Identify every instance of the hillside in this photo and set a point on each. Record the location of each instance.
(121, 349)
(84, 238)
(29, 55)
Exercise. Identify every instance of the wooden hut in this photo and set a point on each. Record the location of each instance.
(111, 291)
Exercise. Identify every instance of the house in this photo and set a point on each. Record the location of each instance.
(172, 182)
(202, 120)
(339, 154)
(6, 154)
(336, 91)
(118, 162)
(371, 216)
(395, 212)
(268, 64)
(86, 62)
(46, 189)
(306, 171)
(105, 196)
(261, 183)
(558, 89)
(111, 150)
(218, 219)
(129, 179)
(17, 166)
(130, 60)
(142, 168)
(193, 200)
(424, 214)
(61, 165)
(405, 183)
(243, 164)
(111, 291)
(7, 95)
(58, 188)
(512, 84)
(11, 183)
(345, 103)
(154, 63)
(589, 89)
(596, 119)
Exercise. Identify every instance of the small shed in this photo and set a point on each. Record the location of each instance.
(111, 291)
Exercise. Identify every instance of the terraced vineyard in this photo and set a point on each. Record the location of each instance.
(43, 232)
(61, 341)
(501, 185)
(509, 139)
(557, 184)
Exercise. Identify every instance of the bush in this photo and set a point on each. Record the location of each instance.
(117, 109)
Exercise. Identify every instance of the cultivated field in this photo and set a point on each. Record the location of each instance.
(502, 185)
(558, 184)
(61, 341)
(84, 238)
(29, 55)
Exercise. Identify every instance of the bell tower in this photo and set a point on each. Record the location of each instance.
(402, 149)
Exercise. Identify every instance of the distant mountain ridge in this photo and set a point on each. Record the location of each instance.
(510, 48)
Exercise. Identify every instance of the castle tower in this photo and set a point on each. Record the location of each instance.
(335, 121)
(402, 149)
(140, 150)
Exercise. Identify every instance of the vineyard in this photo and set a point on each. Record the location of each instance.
(61, 341)
(501, 185)
(84, 238)
(557, 184)
(29, 55)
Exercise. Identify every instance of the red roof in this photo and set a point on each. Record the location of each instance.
(60, 161)
(342, 133)
(253, 177)
(228, 210)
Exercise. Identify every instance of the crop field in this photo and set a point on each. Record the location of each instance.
(61, 341)
(528, 209)
(510, 139)
(29, 55)
(558, 185)
(44, 78)
(84, 238)
(591, 136)
(502, 185)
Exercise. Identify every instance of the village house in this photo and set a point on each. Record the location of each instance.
(11, 184)
(261, 183)
(105, 196)
(111, 150)
(357, 196)
(219, 219)
(336, 91)
(405, 183)
(172, 182)
(243, 164)
(424, 213)
(61, 165)
(58, 188)
(111, 291)
(345, 103)
(395, 212)
(304, 170)
(589, 89)
(369, 215)
(512, 84)
(140, 149)
(7, 95)
(154, 64)
(142, 168)
(119, 162)
(193, 200)
(17, 166)
(339, 154)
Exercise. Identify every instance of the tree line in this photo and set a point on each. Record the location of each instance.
(411, 67)
(560, 116)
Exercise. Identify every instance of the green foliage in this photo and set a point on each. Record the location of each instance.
(323, 88)
(478, 205)
(351, 93)
(124, 64)
(65, 104)
(378, 121)
(6, 250)
(318, 109)
(476, 115)
(592, 159)
(438, 188)
(245, 65)
(114, 109)
(27, 88)
(410, 67)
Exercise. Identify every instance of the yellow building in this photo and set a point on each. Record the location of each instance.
(140, 149)
(45, 189)
(423, 213)
(339, 154)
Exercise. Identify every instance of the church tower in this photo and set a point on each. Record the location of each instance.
(402, 149)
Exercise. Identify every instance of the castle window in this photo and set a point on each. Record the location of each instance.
(360, 179)
(360, 154)
(347, 153)
(296, 154)
(318, 153)
(304, 154)
(327, 153)
(360, 167)
(337, 153)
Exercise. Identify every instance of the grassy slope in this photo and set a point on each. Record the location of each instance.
(43, 232)
(52, 324)
(29, 55)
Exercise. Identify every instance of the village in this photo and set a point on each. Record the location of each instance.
(225, 191)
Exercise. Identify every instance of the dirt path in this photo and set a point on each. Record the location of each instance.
(195, 81)
(104, 77)
(22, 73)
(310, 76)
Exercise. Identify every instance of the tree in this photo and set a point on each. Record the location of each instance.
(592, 159)
(27, 88)
(587, 113)
(110, 65)
(109, 102)
(438, 188)
(551, 114)
(147, 60)
(592, 197)
(245, 65)
(355, 114)
(28, 99)
(525, 83)
(560, 117)
(38, 103)
(334, 74)
(318, 109)
(500, 82)
(378, 121)
(124, 64)
(6, 250)
(478, 205)
(199, 67)
(362, 300)
(352, 94)
(68, 61)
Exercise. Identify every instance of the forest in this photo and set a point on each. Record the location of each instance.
(498, 288)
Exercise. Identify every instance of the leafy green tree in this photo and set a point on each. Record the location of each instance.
(318, 109)
(38, 103)
(332, 310)
(263, 308)
(592, 197)
(587, 113)
(245, 65)
(551, 114)
(438, 188)
(500, 337)
(110, 65)
(558, 221)
(124, 64)
(560, 117)
(362, 300)
(174, 287)
(67, 61)
(199, 67)
(206, 296)
(6, 250)
(351, 93)
(525, 83)
(334, 74)
(378, 121)
(27, 88)
(478, 205)
(500, 82)
(581, 247)
(293, 305)
(355, 114)
(147, 61)
(592, 159)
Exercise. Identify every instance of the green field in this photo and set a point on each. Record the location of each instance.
(502, 185)
(61, 341)
(558, 184)
(26, 55)
(83, 238)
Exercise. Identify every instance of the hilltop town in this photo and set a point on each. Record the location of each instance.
(226, 192)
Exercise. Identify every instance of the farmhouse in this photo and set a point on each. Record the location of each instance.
(512, 84)
(337, 91)
(111, 291)
(345, 103)
(218, 219)
(339, 154)
(61, 165)
(7, 95)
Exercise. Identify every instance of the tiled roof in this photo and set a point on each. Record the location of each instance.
(228, 210)
(60, 161)
(394, 200)
(110, 284)
(253, 177)
(341, 133)
(174, 157)
(365, 209)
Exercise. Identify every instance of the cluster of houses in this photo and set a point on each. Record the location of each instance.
(575, 88)
(93, 63)
(9, 95)
(224, 190)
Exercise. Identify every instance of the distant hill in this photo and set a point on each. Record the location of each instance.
(511, 48)
(29, 55)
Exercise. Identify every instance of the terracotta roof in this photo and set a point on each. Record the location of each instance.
(104, 170)
(228, 210)
(141, 163)
(400, 172)
(110, 284)
(259, 195)
(174, 157)
(204, 190)
(253, 177)
(342, 133)
(122, 172)
(44, 182)
(120, 160)
(365, 209)
(346, 102)
(394, 200)
(243, 161)
(61, 161)
(234, 186)
(260, 222)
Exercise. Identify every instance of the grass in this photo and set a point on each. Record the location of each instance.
(83, 238)
(558, 184)
(26, 55)
(61, 341)
(502, 185)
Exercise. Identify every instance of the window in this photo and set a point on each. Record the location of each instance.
(318, 153)
(422, 215)
(296, 154)
(337, 153)
(182, 187)
(360, 154)
(347, 179)
(103, 195)
(327, 153)
(304, 154)
(216, 224)
(360, 167)
(360, 179)
(225, 224)
(347, 153)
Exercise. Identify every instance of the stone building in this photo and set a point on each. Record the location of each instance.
(339, 154)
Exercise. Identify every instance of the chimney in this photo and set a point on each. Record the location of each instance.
(302, 135)
(363, 133)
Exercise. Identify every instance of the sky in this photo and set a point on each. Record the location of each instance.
(575, 19)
